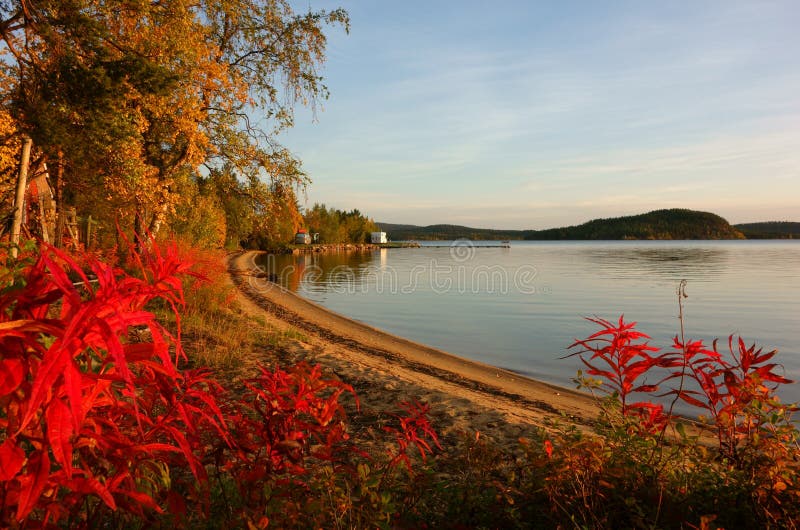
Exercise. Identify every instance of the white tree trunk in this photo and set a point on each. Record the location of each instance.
(19, 201)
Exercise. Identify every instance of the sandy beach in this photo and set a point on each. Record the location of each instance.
(385, 369)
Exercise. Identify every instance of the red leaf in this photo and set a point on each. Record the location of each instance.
(766, 374)
(33, 483)
(684, 395)
(92, 485)
(194, 465)
(636, 369)
(142, 499)
(644, 405)
(12, 372)
(59, 433)
(139, 351)
(79, 404)
(152, 448)
(59, 278)
(49, 371)
(112, 343)
(11, 459)
(596, 371)
(763, 357)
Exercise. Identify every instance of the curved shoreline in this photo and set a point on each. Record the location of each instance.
(518, 395)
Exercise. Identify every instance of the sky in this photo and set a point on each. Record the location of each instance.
(534, 114)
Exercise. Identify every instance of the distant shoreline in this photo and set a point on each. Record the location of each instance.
(671, 224)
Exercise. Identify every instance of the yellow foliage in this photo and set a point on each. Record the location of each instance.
(9, 158)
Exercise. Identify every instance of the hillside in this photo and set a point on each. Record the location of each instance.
(770, 230)
(659, 224)
(400, 232)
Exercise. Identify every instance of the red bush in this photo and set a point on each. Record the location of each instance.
(415, 431)
(87, 411)
(621, 355)
(97, 415)
(738, 393)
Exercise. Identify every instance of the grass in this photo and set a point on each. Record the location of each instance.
(218, 333)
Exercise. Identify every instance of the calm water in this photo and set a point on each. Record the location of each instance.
(520, 307)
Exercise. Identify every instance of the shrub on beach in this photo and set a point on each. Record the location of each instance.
(737, 470)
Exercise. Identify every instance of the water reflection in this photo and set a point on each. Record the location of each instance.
(325, 270)
(692, 263)
(361, 270)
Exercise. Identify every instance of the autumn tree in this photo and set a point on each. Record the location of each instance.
(338, 226)
(324, 222)
(257, 213)
(135, 99)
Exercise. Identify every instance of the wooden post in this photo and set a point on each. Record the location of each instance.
(89, 223)
(43, 219)
(19, 201)
(72, 226)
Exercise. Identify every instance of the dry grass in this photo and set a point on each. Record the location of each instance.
(216, 332)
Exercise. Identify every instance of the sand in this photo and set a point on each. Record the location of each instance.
(464, 395)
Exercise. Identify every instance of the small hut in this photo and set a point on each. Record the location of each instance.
(302, 237)
(378, 237)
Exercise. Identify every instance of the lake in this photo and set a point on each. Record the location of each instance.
(521, 307)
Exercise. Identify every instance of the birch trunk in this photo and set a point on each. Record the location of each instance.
(158, 218)
(19, 201)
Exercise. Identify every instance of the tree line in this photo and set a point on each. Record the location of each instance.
(158, 116)
(339, 226)
(676, 223)
(770, 230)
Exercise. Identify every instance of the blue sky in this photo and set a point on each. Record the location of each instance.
(541, 114)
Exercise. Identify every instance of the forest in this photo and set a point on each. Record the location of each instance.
(338, 226)
(676, 223)
(401, 232)
(770, 230)
(659, 224)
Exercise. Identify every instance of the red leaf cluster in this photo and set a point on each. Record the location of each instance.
(97, 415)
(415, 431)
(286, 417)
(86, 409)
(737, 391)
(621, 355)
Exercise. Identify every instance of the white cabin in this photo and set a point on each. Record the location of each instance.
(378, 237)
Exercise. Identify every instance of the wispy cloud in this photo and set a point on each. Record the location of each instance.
(555, 114)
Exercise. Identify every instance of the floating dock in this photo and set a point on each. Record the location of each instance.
(465, 246)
